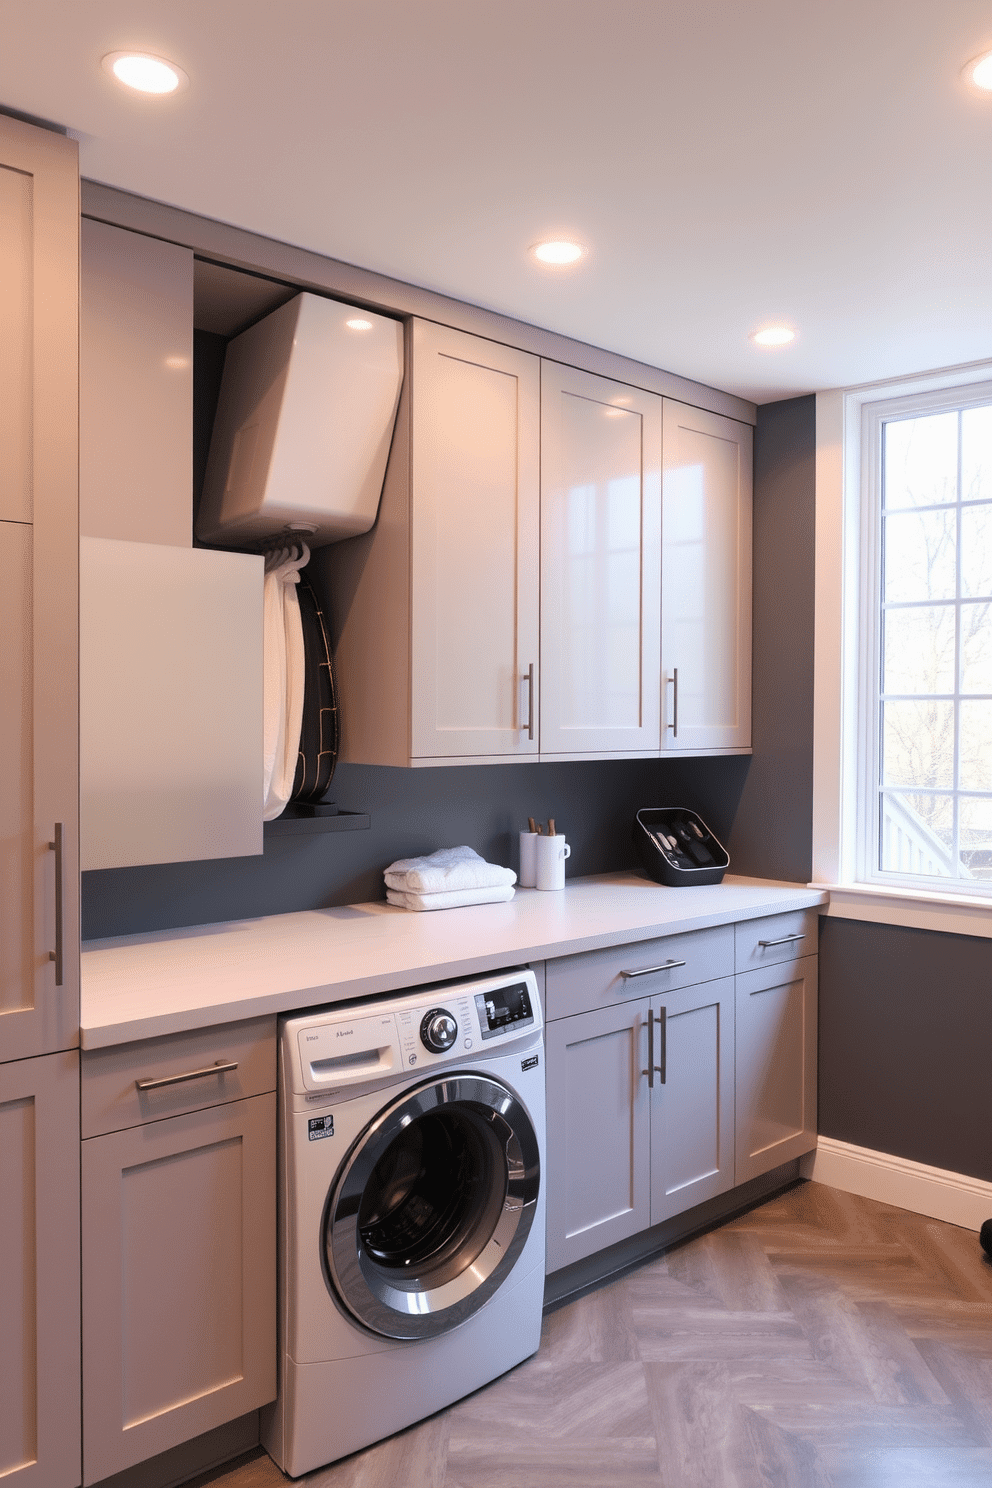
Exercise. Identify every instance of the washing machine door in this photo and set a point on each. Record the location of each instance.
(432, 1206)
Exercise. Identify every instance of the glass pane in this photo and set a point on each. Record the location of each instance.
(976, 550)
(918, 745)
(916, 835)
(976, 647)
(921, 460)
(976, 838)
(975, 764)
(920, 556)
(919, 650)
(976, 454)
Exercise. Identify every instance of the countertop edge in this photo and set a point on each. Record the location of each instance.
(104, 1024)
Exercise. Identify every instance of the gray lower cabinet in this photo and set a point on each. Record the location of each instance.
(657, 1103)
(692, 1101)
(39, 1274)
(599, 1158)
(178, 1245)
(776, 1065)
(640, 1115)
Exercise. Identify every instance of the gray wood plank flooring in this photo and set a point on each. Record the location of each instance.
(819, 1341)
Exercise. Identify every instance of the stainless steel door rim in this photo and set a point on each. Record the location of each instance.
(432, 1206)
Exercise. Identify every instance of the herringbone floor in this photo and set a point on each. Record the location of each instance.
(820, 1341)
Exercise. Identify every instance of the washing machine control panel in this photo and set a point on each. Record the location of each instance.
(506, 1009)
(438, 1030)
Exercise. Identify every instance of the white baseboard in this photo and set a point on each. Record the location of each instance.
(935, 1192)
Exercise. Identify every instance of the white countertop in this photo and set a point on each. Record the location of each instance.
(174, 980)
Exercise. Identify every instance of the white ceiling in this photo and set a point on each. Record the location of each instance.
(728, 163)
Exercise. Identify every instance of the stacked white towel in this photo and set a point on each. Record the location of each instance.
(446, 879)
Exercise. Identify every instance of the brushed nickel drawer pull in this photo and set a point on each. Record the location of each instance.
(662, 1068)
(783, 940)
(58, 848)
(529, 675)
(647, 970)
(220, 1068)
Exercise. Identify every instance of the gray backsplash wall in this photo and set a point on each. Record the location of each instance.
(416, 811)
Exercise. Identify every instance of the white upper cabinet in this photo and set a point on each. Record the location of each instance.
(475, 470)
(706, 582)
(136, 387)
(600, 565)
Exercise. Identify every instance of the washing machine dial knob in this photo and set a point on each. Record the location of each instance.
(438, 1030)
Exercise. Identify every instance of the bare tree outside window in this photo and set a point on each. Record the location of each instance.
(935, 667)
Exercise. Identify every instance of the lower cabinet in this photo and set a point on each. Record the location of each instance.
(39, 1274)
(640, 1115)
(776, 1065)
(657, 1103)
(178, 1253)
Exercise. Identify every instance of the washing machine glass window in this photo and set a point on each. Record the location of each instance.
(432, 1207)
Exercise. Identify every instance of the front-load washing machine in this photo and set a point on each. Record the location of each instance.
(412, 1132)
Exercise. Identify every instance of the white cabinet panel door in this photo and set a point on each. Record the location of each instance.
(39, 902)
(475, 535)
(179, 1280)
(598, 1136)
(600, 565)
(776, 1065)
(692, 1104)
(706, 581)
(39, 1277)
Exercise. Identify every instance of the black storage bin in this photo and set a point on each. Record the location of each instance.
(678, 848)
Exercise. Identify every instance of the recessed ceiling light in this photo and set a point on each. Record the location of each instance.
(777, 335)
(145, 73)
(978, 72)
(558, 252)
(358, 324)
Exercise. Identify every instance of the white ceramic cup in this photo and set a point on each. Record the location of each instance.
(551, 855)
(527, 877)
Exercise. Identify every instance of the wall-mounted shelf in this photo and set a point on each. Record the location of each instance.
(295, 821)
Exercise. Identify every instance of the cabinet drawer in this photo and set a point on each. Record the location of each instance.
(775, 938)
(592, 979)
(111, 1100)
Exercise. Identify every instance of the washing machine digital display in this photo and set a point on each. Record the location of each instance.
(505, 1008)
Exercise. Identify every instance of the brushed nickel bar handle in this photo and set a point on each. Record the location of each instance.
(663, 1066)
(58, 848)
(647, 970)
(674, 725)
(650, 1069)
(220, 1068)
(783, 940)
(530, 701)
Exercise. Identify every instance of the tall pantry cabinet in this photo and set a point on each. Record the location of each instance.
(39, 904)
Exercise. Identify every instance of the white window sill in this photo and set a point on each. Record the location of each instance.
(953, 914)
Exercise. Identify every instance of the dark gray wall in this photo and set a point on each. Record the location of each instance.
(772, 836)
(906, 1043)
(416, 811)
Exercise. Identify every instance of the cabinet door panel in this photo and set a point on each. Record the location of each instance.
(598, 1156)
(776, 1065)
(475, 496)
(39, 1278)
(706, 580)
(39, 236)
(692, 1110)
(600, 534)
(178, 1280)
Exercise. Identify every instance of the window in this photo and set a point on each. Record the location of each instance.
(903, 751)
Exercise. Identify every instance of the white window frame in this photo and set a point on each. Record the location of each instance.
(844, 656)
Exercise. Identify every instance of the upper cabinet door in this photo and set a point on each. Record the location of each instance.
(474, 558)
(600, 565)
(39, 288)
(706, 582)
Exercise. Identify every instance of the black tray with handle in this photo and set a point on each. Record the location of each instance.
(677, 847)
